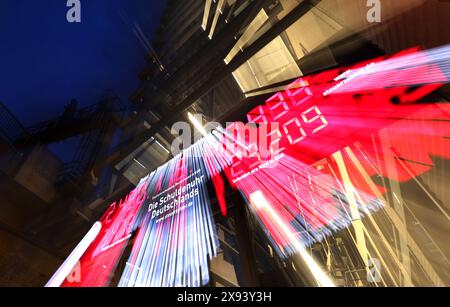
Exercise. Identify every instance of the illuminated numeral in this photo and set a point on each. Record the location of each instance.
(259, 116)
(297, 126)
(301, 93)
(108, 216)
(275, 99)
(276, 114)
(296, 87)
(277, 106)
(316, 117)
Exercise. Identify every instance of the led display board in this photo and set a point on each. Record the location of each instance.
(307, 163)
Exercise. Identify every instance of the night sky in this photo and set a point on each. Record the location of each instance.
(46, 61)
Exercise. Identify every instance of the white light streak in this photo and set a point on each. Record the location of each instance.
(261, 203)
(66, 268)
(160, 145)
(139, 163)
(197, 124)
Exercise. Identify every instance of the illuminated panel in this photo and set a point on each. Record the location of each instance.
(117, 225)
(72, 261)
(327, 115)
(306, 174)
(177, 237)
(169, 222)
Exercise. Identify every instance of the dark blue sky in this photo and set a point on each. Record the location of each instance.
(45, 61)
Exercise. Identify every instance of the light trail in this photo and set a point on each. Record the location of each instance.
(260, 202)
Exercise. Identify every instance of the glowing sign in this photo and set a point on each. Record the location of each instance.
(177, 233)
(304, 162)
(99, 261)
(168, 221)
(325, 127)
